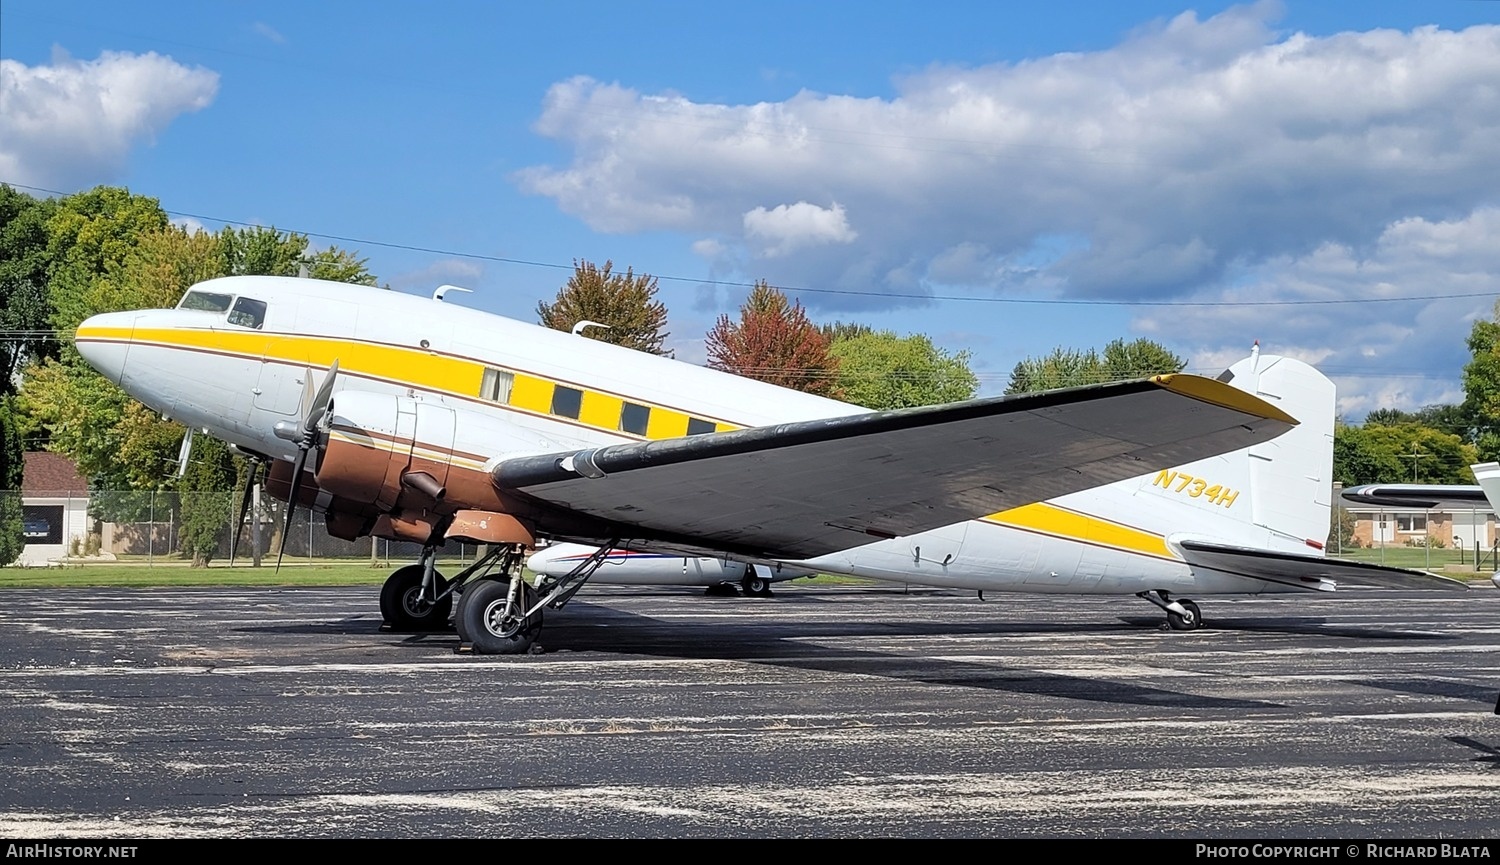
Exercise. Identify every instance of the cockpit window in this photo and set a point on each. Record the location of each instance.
(248, 312)
(207, 301)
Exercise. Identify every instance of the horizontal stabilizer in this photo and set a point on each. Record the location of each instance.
(1308, 572)
(1421, 496)
(800, 490)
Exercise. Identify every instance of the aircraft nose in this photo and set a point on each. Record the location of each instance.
(104, 341)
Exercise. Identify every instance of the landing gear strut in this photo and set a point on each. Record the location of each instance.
(502, 614)
(1182, 615)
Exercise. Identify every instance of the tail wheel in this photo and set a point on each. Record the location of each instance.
(755, 585)
(404, 608)
(1189, 620)
(492, 624)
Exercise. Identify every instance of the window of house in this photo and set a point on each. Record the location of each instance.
(697, 426)
(567, 402)
(496, 385)
(1411, 522)
(634, 418)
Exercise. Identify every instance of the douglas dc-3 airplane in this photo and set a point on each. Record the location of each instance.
(413, 419)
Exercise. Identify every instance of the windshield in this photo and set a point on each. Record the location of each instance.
(248, 312)
(206, 301)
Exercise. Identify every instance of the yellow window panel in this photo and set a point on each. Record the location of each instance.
(666, 424)
(531, 393)
(600, 411)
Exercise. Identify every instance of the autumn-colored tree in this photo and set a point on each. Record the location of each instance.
(774, 341)
(626, 303)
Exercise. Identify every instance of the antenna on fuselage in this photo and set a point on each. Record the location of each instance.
(444, 289)
(578, 328)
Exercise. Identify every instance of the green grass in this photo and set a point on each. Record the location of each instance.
(168, 573)
(161, 575)
(1418, 558)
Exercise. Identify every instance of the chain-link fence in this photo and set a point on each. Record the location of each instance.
(168, 527)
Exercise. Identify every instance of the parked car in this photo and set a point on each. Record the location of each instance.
(35, 528)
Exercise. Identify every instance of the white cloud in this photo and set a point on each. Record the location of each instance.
(1191, 157)
(1189, 147)
(1381, 352)
(787, 228)
(269, 32)
(451, 271)
(72, 123)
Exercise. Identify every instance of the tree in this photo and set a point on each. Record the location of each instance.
(1138, 359)
(1400, 453)
(207, 500)
(1481, 405)
(774, 341)
(1065, 367)
(116, 442)
(90, 236)
(623, 301)
(25, 312)
(12, 469)
(884, 371)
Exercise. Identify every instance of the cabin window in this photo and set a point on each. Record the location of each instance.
(567, 402)
(634, 418)
(248, 312)
(697, 426)
(496, 385)
(206, 301)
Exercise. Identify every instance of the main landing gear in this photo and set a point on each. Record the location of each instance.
(1182, 615)
(497, 611)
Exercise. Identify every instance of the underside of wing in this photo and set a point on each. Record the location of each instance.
(800, 490)
(1308, 572)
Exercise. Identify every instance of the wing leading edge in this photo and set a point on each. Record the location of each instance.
(799, 490)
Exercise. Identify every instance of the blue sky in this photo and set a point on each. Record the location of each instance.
(1004, 177)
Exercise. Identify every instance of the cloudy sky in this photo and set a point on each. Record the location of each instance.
(1008, 178)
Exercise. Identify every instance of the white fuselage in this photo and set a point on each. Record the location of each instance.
(520, 389)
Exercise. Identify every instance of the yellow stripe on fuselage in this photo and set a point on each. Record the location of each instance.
(427, 370)
(1071, 525)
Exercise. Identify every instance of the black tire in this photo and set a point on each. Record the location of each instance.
(755, 586)
(402, 606)
(485, 626)
(1191, 622)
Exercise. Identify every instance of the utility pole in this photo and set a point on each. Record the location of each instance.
(1414, 456)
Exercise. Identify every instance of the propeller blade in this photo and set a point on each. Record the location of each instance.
(239, 525)
(320, 401)
(291, 501)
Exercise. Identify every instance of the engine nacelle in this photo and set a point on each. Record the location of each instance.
(411, 469)
(387, 450)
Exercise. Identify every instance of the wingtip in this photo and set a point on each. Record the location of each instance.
(1220, 393)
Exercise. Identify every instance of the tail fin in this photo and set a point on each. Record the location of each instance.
(1291, 476)
(1274, 496)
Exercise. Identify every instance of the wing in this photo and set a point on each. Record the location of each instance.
(799, 490)
(1308, 572)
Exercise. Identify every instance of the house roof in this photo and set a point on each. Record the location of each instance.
(50, 474)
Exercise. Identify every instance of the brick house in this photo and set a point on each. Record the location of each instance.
(54, 508)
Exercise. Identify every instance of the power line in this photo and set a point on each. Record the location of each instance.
(1037, 301)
